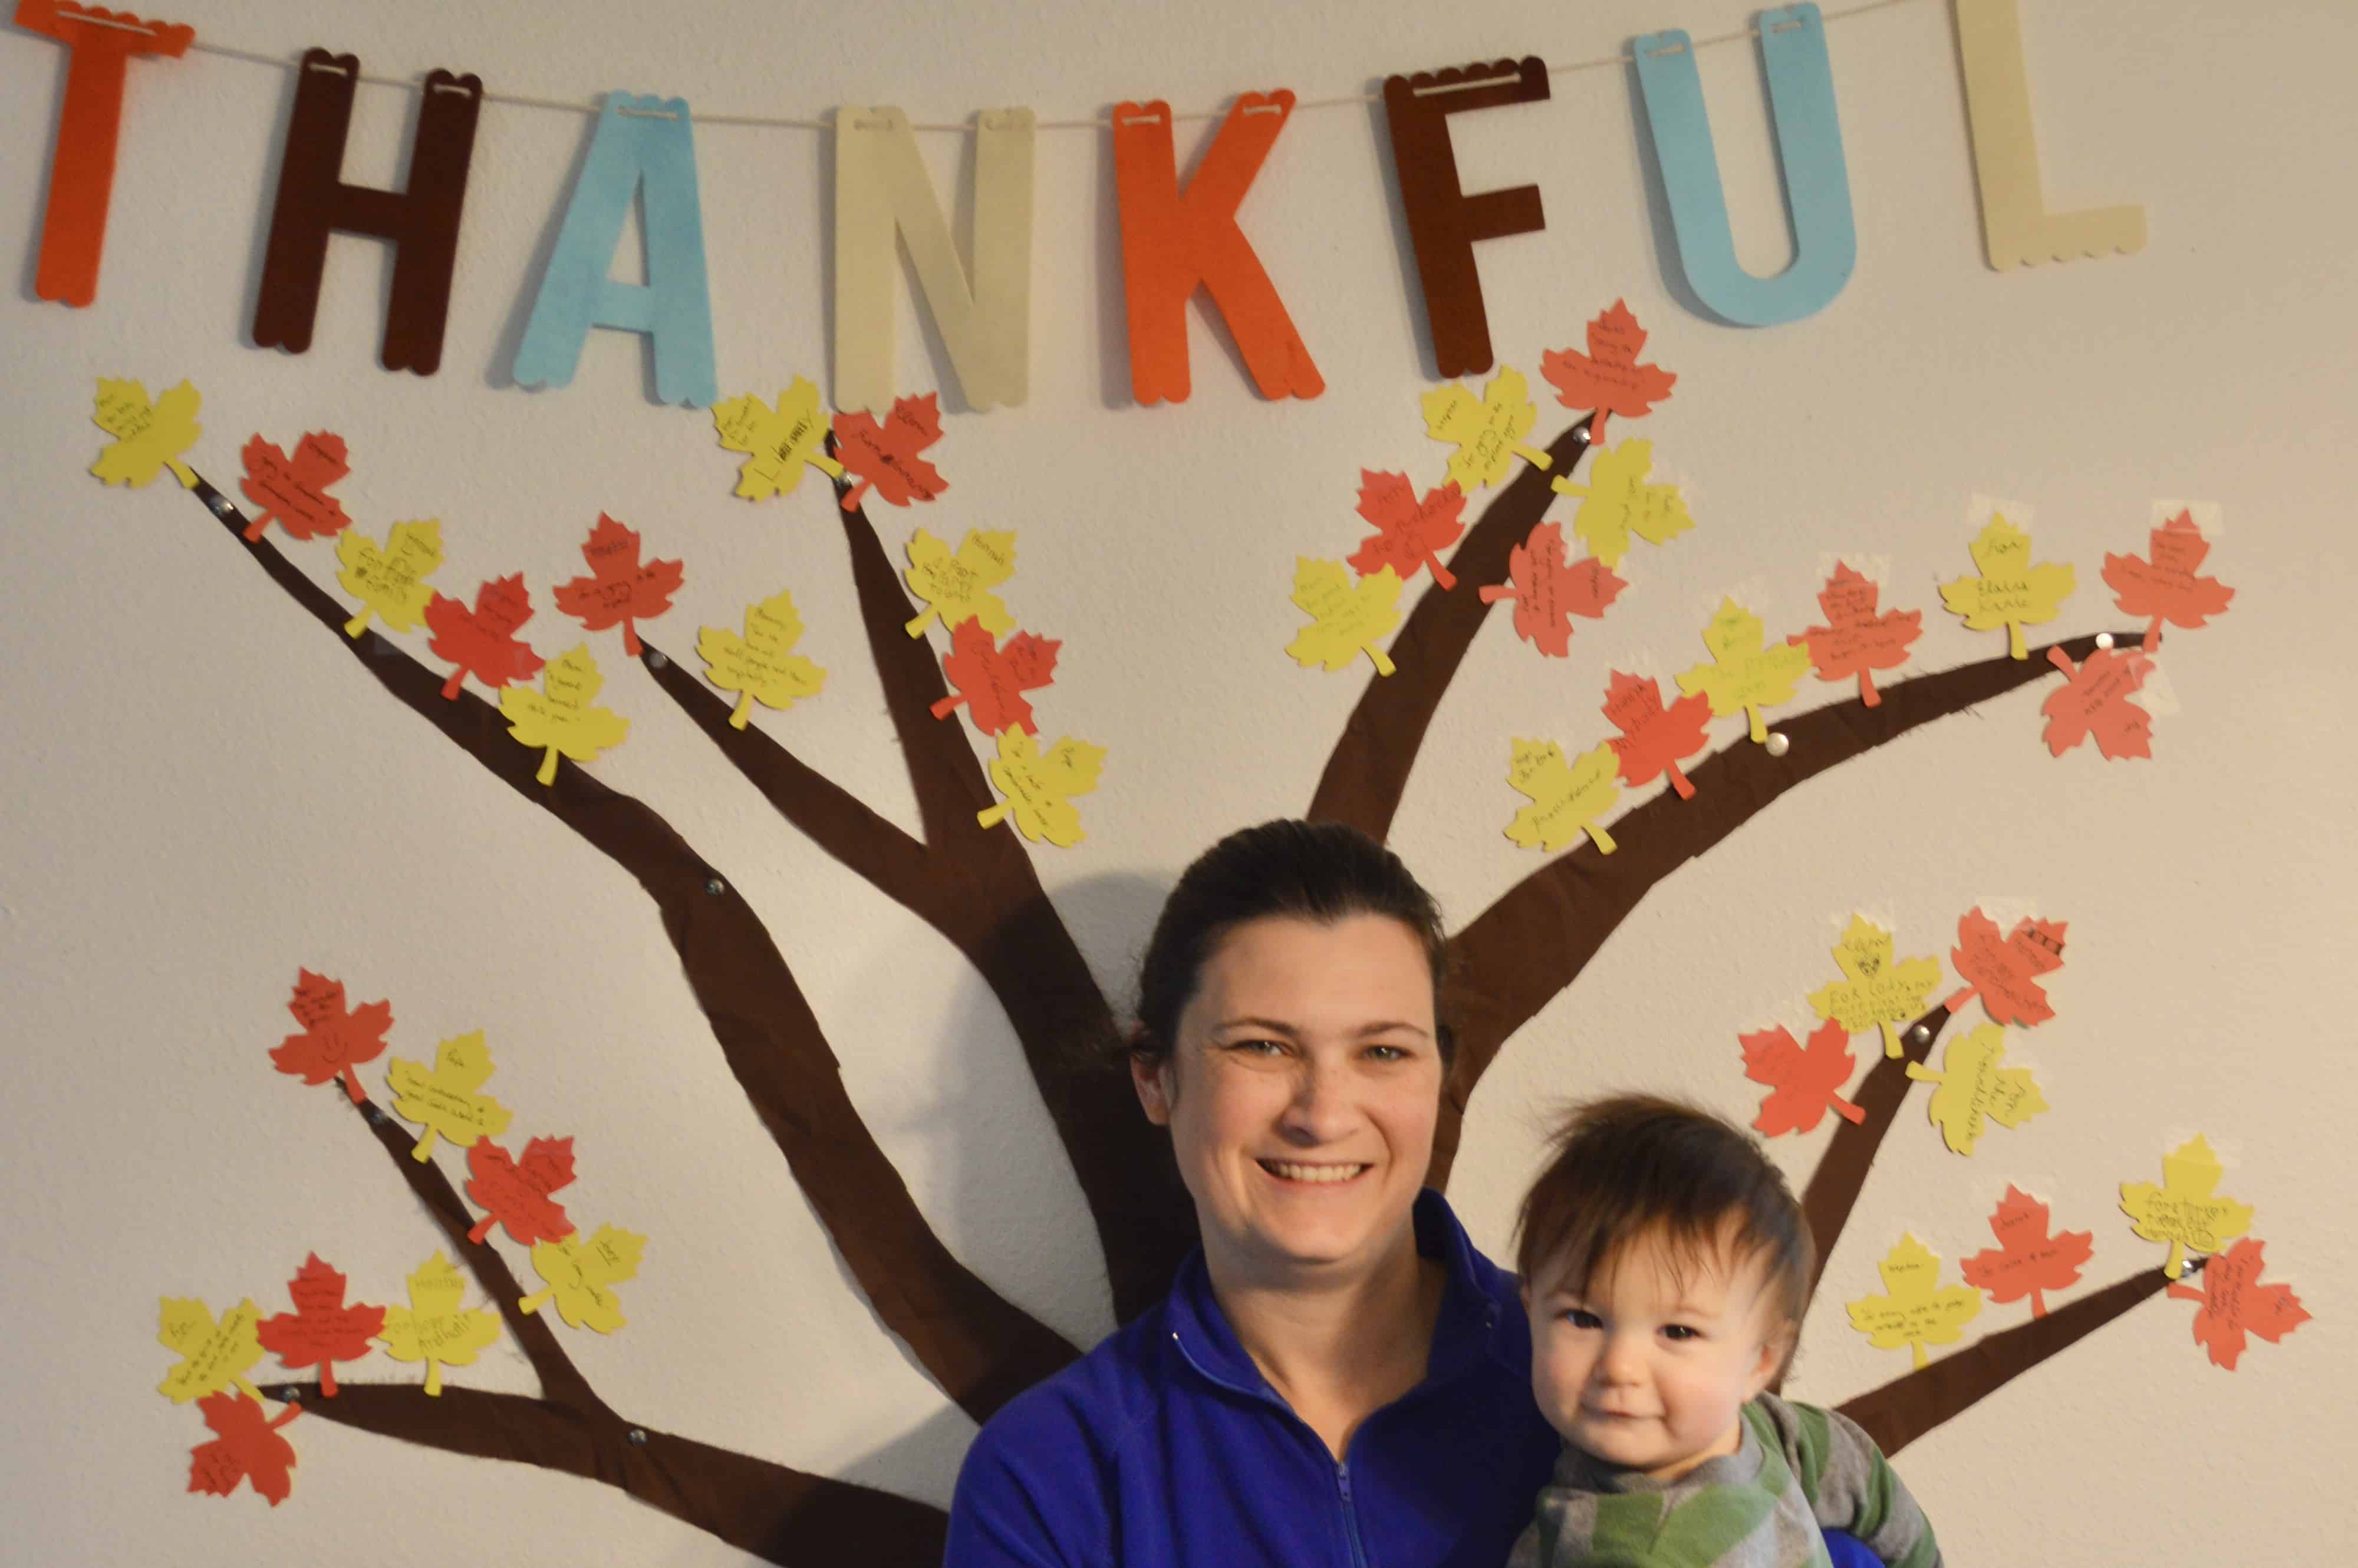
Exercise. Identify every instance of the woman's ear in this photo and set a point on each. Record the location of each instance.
(1152, 1078)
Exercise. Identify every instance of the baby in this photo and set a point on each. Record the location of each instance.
(1665, 1266)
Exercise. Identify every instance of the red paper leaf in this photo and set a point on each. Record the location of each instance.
(991, 680)
(514, 1192)
(334, 1041)
(2026, 1261)
(293, 492)
(1654, 739)
(2096, 701)
(2000, 968)
(1855, 638)
(482, 644)
(618, 589)
(1608, 377)
(1409, 533)
(885, 456)
(2161, 583)
(321, 1330)
(2236, 1304)
(249, 1448)
(1807, 1080)
(1548, 594)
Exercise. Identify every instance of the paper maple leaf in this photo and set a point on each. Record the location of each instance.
(2161, 583)
(1608, 377)
(885, 456)
(1618, 501)
(213, 1355)
(1548, 594)
(482, 641)
(1855, 640)
(444, 1100)
(2026, 1261)
(991, 680)
(1409, 533)
(778, 444)
(391, 581)
(579, 1275)
(957, 588)
(333, 1040)
(1972, 1087)
(1879, 992)
(148, 438)
(1919, 1310)
(434, 1328)
(761, 664)
(618, 588)
(2010, 591)
(1807, 1080)
(321, 1330)
(1654, 738)
(2095, 701)
(2234, 1303)
(2001, 969)
(514, 1192)
(1566, 797)
(1487, 432)
(561, 716)
(1038, 787)
(246, 1447)
(293, 492)
(1346, 617)
(2186, 1210)
(1746, 674)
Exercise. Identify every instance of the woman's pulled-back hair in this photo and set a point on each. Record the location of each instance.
(1321, 872)
(1634, 1166)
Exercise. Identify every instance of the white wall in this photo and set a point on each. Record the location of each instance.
(205, 794)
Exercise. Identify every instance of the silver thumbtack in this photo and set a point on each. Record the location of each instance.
(2103, 639)
(1777, 743)
(715, 887)
(655, 660)
(637, 1437)
(1918, 1035)
(376, 1117)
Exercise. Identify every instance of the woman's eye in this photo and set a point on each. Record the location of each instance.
(1256, 1047)
(1387, 1053)
(1579, 1318)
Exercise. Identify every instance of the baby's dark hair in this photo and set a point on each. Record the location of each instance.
(1631, 1166)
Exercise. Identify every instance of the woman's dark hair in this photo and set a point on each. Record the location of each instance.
(1321, 872)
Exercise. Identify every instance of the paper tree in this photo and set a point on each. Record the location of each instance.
(777, 444)
(1347, 617)
(1548, 594)
(434, 1328)
(562, 717)
(2028, 1260)
(1878, 991)
(2010, 591)
(2186, 1210)
(1566, 798)
(2162, 584)
(1746, 674)
(958, 586)
(1917, 1310)
(444, 1100)
(148, 438)
(1972, 1087)
(391, 581)
(1619, 501)
(1487, 432)
(1807, 1079)
(1410, 534)
(761, 666)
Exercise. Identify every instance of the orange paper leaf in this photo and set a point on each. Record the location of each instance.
(293, 492)
(618, 589)
(321, 1330)
(1855, 638)
(991, 680)
(2234, 1303)
(248, 1448)
(2161, 583)
(483, 642)
(1409, 533)
(2096, 701)
(1654, 738)
(2028, 1260)
(514, 1192)
(1608, 377)
(334, 1040)
(2001, 969)
(885, 456)
(1548, 594)
(1808, 1080)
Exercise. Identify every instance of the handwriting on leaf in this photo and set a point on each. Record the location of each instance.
(2010, 591)
(482, 641)
(2234, 1303)
(562, 716)
(1566, 797)
(444, 1100)
(2162, 584)
(391, 581)
(321, 1330)
(1487, 432)
(1854, 639)
(580, 1276)
(2028, 1260)
(2095, 701)
(1878, 991)
(1618, 501)
(514, 1192)
(293, 492)
(333, 1039)
(958, 586)
(245, 1447)
(148, 438)
(991, 680)
(1918, 1310)
(214, 1355)
(1347, 617)
(761, 666)
(2003, 970)
(2186, 1210)
(1807, 1081)
(1746, 674)
(1608, 377)
(1971, 1088)
(1038, 787)
(618, 589)
(1655, 739)
(1548, 594)
(434, 1328)
(1410, 534)
(779, 444)
(885, 456)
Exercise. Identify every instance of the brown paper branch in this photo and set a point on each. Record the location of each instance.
(1842, 1170)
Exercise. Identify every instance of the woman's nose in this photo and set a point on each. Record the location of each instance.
(1320, 1110)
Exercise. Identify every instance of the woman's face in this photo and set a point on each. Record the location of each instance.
(1301, 1092)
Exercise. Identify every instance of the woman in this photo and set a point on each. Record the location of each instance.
(1336, 1378)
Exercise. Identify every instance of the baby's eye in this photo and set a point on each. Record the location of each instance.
(1579, 1318)
(1680, 1331)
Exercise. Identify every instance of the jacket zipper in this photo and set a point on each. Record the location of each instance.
(1342, 1470)
(1350, 1515)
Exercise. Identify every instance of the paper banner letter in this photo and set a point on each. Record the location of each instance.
(1566, 797)
(293, 492)
(213, 1355)
(421, 222)
(958, 586)
(2186, 1210)
(2010, 591)
(1619, 500)
(1806, 1081)
(1607, 379)
(580, 1275)
(1548, 594)
(1744, 675)
(482, 641)
(1918, 1310)
(1039, 785)
(1654, 740)
(618, 589)
(761, 664)
(560, 717)
(2234, 1303)
(148, 436)
(880, 185)
(1172, 242)
(2028, 1260)
(991, 680)
(1878, 990)
(1855, 640)
(885, 455)
(514, 1192)
(321, 1330)
(776, 445)
(334, 1040)
(90, 127)
(1973, 1088)
(2164, 586)
(434, 1328)
(391, 581)
(1410, 534)
(1444, 223)
(2003, 970)
(245, 1447)
(444, 1100)
(646, 147)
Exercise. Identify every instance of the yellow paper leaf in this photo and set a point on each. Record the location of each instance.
(444, 1100)
(762, 664)
(1973, 1087)
(1745, 676)
(777, 444)
(2186, 1210)
(2010, 591)
(1038, 786)
(579, 1273)
(1346, 617)
(434, 1328)
(1488, 432)
(559, 716)
(957, 587)
(1879, 992)
(1919, 1310)
(1566, 797)
(391, 581)
(213, 1355)
(148, 438)
(1618, 502)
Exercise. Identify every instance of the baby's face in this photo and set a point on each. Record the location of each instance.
(1647, 1370)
